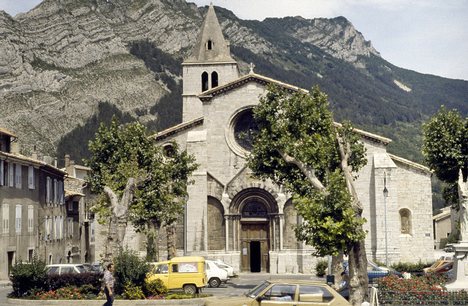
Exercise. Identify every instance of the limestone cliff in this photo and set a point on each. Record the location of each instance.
(59, 60)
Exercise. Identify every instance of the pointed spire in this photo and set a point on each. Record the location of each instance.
(210, 45)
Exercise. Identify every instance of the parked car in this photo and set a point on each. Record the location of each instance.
(441, 265)
(186, 272)
(285, 292)
(375, 271)
(65, 268)
(229, 269)
(215, 274)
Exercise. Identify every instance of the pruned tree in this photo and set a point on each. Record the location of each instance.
(161, 198)
(445, 149)
(133, 175)
(298, 145)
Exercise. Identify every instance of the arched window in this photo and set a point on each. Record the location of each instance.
(214, 79)
(209, 45)
(204, 81)
(254, 209)
(405, 221)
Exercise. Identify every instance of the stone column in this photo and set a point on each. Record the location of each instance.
(226, 226)
(461, 249)
(281, 222)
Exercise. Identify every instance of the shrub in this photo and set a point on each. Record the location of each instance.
(28, 277)
(132, 292)
(129, 268)
(410, 267)
(90, 280)
(155, 287)
(321, 268)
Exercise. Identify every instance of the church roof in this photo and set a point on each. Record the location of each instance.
(177, 129)
(251, 77)
(210, 45)
(410, 163)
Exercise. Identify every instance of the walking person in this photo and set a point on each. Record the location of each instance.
(109, 284)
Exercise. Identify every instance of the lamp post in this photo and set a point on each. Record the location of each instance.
(385, 195)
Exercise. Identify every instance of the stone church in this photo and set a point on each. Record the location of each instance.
(250, 223)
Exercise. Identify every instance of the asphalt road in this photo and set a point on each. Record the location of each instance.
(236, 286)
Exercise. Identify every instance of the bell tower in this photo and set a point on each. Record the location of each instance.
(210, 65)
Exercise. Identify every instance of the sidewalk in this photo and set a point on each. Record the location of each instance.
(5, 283)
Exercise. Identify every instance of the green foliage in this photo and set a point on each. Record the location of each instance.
(28, 277)
(296, 143)
(55, 281)
(446, 144)
(132, 292)
(124, 152)
(129, 269)
(410, 267)
(155, 287)
(321, 268)
(445, 149)
(72, 143)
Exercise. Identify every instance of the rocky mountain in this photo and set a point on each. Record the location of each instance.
(66, 65)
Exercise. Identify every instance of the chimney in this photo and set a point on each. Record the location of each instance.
(15, 147)
(34, 153)
(67, 160)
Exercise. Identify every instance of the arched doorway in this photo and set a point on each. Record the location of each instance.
(257, 209)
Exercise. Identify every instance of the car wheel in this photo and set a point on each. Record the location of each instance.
(190, 289)
(214, 282)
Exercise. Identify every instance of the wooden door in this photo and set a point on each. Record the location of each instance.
(251, 234)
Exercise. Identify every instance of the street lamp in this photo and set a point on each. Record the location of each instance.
(385, 195)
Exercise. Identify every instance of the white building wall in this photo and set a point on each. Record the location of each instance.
(414, 193)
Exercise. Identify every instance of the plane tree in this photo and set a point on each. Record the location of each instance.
(298, 145)
(137, 181)
(445, 150)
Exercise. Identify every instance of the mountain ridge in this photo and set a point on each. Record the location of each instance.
(61, 60)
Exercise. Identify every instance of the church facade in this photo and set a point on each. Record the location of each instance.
(249, 223)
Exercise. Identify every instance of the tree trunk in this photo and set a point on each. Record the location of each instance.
(337, 267)
(119, 218)
(358, 282)
(152, 247)
(171, 238)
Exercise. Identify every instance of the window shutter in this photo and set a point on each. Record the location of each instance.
(31, 177)
(48, 190)
(18, 178)
(18, 219)
(1, 173)
(6, 218)
(30, 218)
(11, 175)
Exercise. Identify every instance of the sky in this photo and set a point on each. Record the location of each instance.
(428, 36)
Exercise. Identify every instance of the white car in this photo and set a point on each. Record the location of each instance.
(65, 268)
(215, 274)
(229, 269)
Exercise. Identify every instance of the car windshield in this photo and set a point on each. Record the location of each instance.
(256, 291)
(220, 265)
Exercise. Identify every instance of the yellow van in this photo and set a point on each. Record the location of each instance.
(187, 273)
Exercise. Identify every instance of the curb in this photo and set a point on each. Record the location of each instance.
(196, 302)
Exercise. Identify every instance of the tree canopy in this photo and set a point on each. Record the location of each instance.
(296, 145)
(123, 155)
(445, 148)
